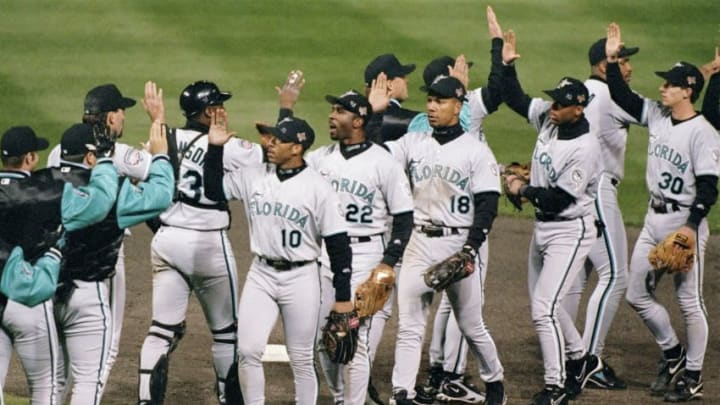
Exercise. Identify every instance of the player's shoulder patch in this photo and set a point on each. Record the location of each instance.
(245, 144)
(715, 153)
(133, 157)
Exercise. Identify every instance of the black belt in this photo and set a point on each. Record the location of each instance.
(363, 239)
(433, 231)
(664, 208)
(543, 217)
(283, 265)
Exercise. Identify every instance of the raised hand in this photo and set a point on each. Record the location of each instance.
(509, 51)
(713, 66)
(614, 42)
(153, 102)
(218, 133)
(289, 93)
(493, 25)
(158, 143)
(460, 70)
(379, 96)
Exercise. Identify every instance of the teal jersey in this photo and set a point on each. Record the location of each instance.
(137, 203)
(30, 284)
(86, 205)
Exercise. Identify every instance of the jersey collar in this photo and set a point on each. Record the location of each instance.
(284, 174)
(574, 130)
(348, 151)
(194, 125)
(14, 174)
(446, 134)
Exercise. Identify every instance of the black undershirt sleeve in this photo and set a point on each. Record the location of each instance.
(492, 93)
(486, 208)
(705, 198)
(621, 93)
(284, 113)
(213, 173)
(340, 254)
(512, 93)
(401, 229)
(548, 200)
(711, 103)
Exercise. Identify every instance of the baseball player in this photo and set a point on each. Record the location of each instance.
(711, 103)
(565, 166)
(448, 348)
(373, 190)
(191, 251)
(291, 209)
(683, 164)
(389, 120)
(30, 330)
(609, 254)
(45, 194)
(82, 308)
(455, 189)
(104, 105)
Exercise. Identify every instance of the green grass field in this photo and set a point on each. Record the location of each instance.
(53, 52)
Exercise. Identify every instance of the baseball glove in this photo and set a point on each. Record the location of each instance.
(456, 267)
(104, 141)
(674, 254)
(340, 335)
(371, 295)
(522, 171)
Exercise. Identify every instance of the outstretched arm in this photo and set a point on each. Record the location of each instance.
(512, 93)
(620, 92)
(492, 93)
(289, 93)
(711, 103)
(30, 283)
(218, 136)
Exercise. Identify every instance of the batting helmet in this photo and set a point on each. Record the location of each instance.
(196, 96)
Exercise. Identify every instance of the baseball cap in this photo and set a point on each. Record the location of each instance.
(106, 98)
(290, 129)
(446, 87)
(353, 102)
(686, 75)
(438, 67)
(77, 140)
(20, 140)
(389, 64)
(569, 91)
(596, 54)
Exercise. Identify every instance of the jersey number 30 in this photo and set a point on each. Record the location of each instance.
(675, 184)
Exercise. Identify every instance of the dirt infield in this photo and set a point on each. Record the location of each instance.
(630, 348)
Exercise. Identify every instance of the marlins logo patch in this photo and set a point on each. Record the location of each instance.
(716, 155)
(578, 176)
(133, 157)
(493, 169)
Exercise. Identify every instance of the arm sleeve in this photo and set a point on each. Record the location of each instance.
(492, 93)
(621, 93)
(486, 208)
(138, 203)
(548, 200)
(512, 93)
(711, 103)
(284, 113)
(84, 206)
(399, 236)
(705, 198)
(30, 284)
(372, 129)
(213, 173)
(340, 254)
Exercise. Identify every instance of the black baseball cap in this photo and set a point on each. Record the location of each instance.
(20, 140)
(106, 98)
(77, 140)
(353, 102)
(446, 87)
(438, 67)
(389, 64)
(685, 75)
(290, 129)
(569, 91)
(596, 54)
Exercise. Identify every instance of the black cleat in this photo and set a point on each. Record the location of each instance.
(669, 372)
(578, 373)
(685, 390)
(400, 398)
(456, 390)
(495, 393)
(373, 394)
(606, 379)
(551, 395)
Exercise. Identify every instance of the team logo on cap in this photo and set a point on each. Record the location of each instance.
(362, 111)
(459, 92)
(581, 98)
(691, 80)
(301, 136)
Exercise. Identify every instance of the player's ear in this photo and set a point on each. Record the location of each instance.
(358, 122)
